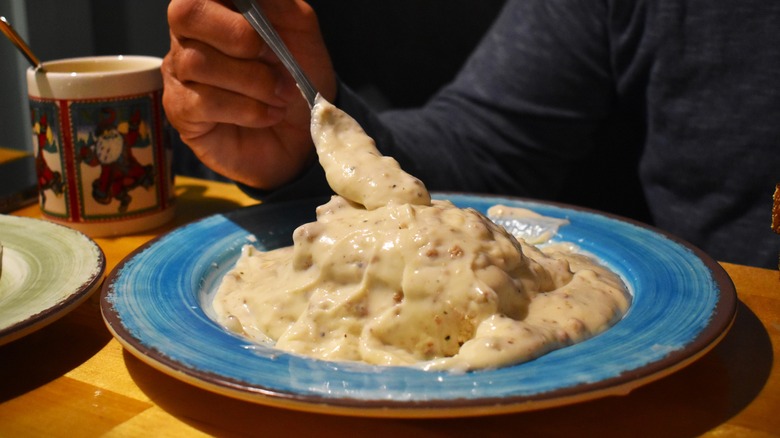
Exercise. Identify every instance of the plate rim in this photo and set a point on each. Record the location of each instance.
(48, 315)
(722, 318)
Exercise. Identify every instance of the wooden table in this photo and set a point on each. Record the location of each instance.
(73, 379)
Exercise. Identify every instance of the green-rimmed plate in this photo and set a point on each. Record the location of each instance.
(47, 270)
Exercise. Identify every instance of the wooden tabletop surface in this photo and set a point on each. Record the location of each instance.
(72, 379)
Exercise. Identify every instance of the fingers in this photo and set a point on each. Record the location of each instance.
(215, 79)
(217, 25)
(231, 100)
(193, 61)
(209, 41)
(194, 107)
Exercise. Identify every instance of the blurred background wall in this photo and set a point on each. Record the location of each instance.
(58, 29)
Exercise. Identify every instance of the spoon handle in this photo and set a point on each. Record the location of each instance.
(9, 31)
(255, 16)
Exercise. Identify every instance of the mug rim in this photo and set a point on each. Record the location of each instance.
(135, 63)
(139, 74)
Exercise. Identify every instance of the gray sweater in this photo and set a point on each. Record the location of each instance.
(665, 111)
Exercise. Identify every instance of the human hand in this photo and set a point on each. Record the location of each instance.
(231, 100)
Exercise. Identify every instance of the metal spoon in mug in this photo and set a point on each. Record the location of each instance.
(20, 44)
(255, 16)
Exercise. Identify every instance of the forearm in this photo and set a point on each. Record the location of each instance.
(521, 113)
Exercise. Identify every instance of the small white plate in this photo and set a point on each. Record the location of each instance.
(47, 271)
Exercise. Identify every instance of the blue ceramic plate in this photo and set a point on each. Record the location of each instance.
(155, 303)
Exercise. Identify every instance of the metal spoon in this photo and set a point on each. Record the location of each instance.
(255, 16)
(9, 31)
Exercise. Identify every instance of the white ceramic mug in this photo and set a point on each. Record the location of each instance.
(101, 143)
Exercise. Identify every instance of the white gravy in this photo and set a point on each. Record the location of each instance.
(388, 277)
